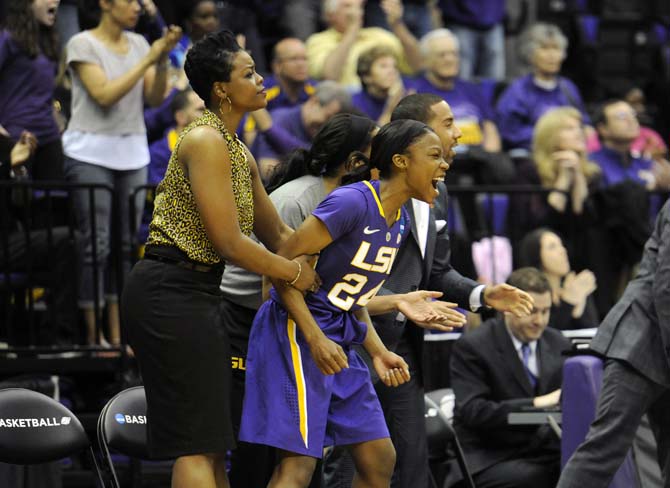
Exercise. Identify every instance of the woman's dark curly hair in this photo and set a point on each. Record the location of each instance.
(210, 60)
(31, 36)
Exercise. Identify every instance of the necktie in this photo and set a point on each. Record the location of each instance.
(525, 353)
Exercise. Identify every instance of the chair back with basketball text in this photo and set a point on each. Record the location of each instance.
(36, 429)
(122, 428)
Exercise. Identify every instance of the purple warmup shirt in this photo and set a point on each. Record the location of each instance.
(614, 170)
(523, 103)
(467, 102)
(26, 92)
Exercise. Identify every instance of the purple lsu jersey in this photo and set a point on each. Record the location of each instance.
(288, 402)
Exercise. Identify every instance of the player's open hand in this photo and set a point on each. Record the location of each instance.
(507, 298)
(391, 368)
(422, 308)
(328, 355)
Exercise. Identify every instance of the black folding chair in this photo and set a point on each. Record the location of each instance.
(441, 436)
(122, 428)
(36, 429)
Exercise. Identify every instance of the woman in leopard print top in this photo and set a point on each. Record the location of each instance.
(209, 202)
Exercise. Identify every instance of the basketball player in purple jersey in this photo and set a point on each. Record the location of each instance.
(306, 387)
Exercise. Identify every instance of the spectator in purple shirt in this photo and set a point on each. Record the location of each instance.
(295, 127)
(28, 65)
(382, 85)
(618, 127)
(186, 106)
(288, 86)
(543, 47)
(479, 157)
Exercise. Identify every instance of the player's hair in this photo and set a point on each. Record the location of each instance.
(394, 138)
(416, 107)
(211, 60)
(529, 279)
(339, 142)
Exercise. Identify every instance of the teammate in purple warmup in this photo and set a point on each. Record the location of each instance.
(306, 388)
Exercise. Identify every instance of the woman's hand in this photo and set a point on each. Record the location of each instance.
(162, 47)
(422, 308)
(23, 149)
(327, 354)
(391, 368)
(307, 279)
(577, 287)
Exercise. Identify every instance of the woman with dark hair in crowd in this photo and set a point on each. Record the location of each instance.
(306, 387)
(573, 306)
(207, 205)
(28, 65)
(113, 72)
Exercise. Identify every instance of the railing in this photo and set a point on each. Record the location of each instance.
(38, 229)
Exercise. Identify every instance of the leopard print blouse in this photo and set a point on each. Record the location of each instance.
(176, 221)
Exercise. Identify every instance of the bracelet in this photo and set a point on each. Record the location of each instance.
(297, 277)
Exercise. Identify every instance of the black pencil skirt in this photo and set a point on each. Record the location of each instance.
(171, 317)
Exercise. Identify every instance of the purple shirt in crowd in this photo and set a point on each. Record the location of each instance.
(160, 152)
(287, 133)
(26, 92)
(477, 14)
(369, 105)
(524, 102)
(278, 99)
(467, 102)
(615, 170)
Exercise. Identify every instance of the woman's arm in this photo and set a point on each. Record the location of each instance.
(204, 155)
(270, 229)
(107, 92)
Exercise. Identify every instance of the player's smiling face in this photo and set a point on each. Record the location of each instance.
(425, 167)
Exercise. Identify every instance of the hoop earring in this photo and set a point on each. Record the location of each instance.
(230, 105)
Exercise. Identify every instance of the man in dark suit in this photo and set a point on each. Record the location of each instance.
(505, 364)
(635, 340)
(423, 262)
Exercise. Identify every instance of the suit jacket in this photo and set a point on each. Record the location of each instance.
(433, 272)
(637, 329)
(489, 382)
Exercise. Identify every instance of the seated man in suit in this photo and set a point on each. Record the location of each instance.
(505, 364)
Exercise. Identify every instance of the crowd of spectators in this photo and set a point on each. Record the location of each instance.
(94, 93)
(359, 57)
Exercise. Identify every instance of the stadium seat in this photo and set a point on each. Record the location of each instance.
(37, 429)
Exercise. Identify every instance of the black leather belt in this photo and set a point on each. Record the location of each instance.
(202, 268)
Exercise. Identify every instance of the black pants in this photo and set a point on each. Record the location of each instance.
(47, 162)
(51, 261)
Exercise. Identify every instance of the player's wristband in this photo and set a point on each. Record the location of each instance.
(297, 277)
